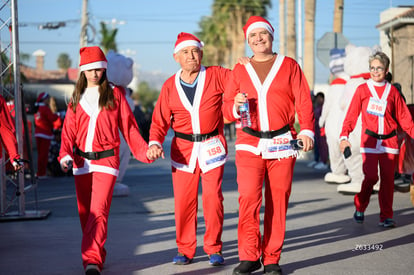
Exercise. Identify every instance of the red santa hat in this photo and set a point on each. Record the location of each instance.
(42, 96)
(187, 39)
(92, 58)
(255, 22)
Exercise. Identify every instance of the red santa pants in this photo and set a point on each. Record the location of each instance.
(94, 194)
(277, 174)
(43, 145)
(370, 164)
(186, 205)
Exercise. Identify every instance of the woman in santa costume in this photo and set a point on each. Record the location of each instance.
(190, 103)
(382, 109)
(273, 85)
(45, 121)
(90, 142)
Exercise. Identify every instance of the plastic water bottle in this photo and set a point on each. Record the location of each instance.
(245, 114)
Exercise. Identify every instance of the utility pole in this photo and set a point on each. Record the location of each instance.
(84, 24)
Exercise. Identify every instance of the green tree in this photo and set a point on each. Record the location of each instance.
(108, 38)
(64, 62)
(146, 95)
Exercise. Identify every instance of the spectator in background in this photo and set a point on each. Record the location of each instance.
(321, 147)
(45, 122)
(143, 119)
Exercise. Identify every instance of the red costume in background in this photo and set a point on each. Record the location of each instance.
(45, 122)
(7, 132)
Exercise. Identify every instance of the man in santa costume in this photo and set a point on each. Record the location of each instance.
(190, 103)
(45, 121)
(8, 136)
(90, 141)
(274, 86)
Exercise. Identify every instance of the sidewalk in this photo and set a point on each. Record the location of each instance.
(321, 236)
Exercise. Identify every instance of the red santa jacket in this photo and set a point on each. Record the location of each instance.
(96, 130)
(272, 103)
(396, 112)
(7, 131)
(46, 121)
(174, 110)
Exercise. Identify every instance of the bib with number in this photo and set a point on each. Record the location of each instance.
(278, 147)
(211, 152)
(376, 107)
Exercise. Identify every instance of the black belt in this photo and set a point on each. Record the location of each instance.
(267, 134)
(196, 137)
(378, 136)
(95, 155)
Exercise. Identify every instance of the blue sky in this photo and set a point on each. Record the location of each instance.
(150, 27)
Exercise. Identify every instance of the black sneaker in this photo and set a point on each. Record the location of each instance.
(92, 269)
(387, 223)
(359, 217)
(272, 269)
(247, 267)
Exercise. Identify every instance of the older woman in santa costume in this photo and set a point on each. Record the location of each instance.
(90, 141)
(382, 109)
(273, 85)
(190, 103)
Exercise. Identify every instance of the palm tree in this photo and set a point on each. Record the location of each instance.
(309, 48)
(229, 17)
(64, 61)
(282, 26)
(291, 29)
(108, 38)
(338, 16)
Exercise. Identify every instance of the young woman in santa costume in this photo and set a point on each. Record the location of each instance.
(382, 109)
(90, 142)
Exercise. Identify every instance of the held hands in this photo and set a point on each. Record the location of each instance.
(307, 142)
(154, 152)
(239, 99)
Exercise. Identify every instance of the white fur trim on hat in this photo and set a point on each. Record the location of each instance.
(94, 65)
(257, 25)
(188, 43)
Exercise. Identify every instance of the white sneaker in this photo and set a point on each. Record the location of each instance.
(120, 190)
(377, 187)
(321, 166)
(333, 178)
(312, 163)
(349, 188)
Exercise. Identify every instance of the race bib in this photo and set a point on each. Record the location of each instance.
(376, 107)
(211, 152)
(278, 147)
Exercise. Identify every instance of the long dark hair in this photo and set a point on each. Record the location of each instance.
(106, 94)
